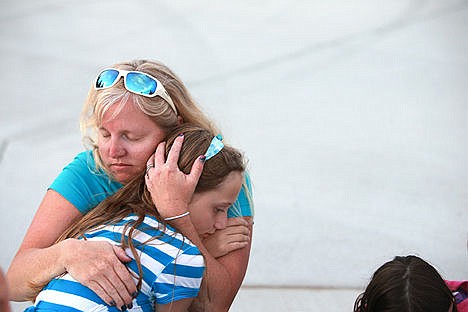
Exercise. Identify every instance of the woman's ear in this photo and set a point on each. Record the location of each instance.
(180, 120)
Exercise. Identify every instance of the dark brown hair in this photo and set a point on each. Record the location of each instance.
(406, 284)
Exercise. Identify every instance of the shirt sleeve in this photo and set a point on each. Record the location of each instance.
(181, 278)
(243, 206)
(82, 184)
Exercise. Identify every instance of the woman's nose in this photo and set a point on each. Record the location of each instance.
(116, 149)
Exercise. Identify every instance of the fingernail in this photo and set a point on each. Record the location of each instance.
(202, 158)
(135, 294)
(181, 134)
(130, 305)
(123, 308)
(112, 303)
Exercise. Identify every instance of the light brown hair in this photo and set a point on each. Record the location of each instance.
(98, 103)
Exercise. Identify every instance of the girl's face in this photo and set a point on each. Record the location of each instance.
(127, 140)
(208, 210)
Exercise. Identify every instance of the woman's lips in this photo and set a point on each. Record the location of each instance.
(119, 166)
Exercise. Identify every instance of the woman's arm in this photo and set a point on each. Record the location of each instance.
(38, 259)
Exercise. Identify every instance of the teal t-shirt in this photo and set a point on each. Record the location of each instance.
(85, 187)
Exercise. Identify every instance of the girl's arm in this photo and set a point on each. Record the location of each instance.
(171, 191)
(223, 276)
(38, 259)
(235, 236)
(175, 306)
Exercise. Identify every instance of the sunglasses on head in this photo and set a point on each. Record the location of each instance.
(134, 81)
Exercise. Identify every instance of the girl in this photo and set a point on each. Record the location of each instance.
(166, 265)
(406, 284)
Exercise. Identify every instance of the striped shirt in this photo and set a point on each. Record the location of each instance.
(172, 270)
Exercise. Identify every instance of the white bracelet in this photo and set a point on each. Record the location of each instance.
(177, 217)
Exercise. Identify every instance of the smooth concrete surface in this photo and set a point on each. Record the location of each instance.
(353, 115)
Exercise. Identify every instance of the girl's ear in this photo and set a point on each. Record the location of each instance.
(180, 120)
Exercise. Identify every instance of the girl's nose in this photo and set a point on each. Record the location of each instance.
(221, 221)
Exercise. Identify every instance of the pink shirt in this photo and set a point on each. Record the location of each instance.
(460, 292)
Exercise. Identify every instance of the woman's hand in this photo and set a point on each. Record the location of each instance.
(98, 265)
(235, 236)
(171, 189)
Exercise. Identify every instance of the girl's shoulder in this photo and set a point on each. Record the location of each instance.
(156, 233)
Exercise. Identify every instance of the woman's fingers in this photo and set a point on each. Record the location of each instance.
(99, 290)
(171, 189)
(108, 284)
(121, 254)
(104, 289)
(196, 171)
(124, 275)
(97, 265)
(159, 156)
(121, 286)
(173, 155)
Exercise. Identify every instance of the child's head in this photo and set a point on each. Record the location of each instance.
(406, 284)
(219, 183)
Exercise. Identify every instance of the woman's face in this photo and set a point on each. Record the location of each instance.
(208, 210)
(127, 140)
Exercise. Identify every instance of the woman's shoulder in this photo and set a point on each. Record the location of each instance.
(243, 206)
(82, 184)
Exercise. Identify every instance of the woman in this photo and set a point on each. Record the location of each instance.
(406, 284)
(129, 109)
(168, 267)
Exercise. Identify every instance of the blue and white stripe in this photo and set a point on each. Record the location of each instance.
(172, 270)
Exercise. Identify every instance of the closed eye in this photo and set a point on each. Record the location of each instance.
(130, 137)
(104, 133)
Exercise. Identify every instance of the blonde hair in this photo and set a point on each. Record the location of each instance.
(98, 103)
(135, 198)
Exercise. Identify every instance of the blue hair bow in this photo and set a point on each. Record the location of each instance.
(215, 146)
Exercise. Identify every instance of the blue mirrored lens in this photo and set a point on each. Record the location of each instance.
(107, 78)
(141, 83)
